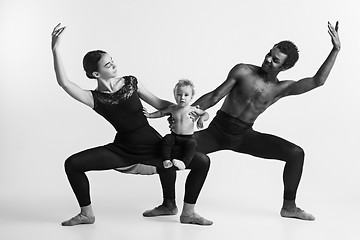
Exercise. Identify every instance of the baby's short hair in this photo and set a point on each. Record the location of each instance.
(185, 83)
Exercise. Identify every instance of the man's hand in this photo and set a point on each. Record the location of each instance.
(171, 121)
(200, 122)
(193, 115)
(333, 32)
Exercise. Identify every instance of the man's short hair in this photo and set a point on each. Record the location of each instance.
(291, 50)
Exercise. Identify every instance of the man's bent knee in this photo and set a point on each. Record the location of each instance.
(298, 152)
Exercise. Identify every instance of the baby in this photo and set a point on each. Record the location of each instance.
(183, 127)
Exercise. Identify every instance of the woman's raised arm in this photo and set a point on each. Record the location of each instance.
(71, 88)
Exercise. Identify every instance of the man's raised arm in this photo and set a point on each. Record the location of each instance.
(307, 84)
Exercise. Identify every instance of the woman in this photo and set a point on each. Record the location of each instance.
(117, 99)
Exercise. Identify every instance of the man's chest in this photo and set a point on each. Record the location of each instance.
(256, 90)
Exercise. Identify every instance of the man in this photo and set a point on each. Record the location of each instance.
(249, 90)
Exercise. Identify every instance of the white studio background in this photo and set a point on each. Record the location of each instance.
(159, 42)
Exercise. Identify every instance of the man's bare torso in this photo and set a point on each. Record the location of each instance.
(251, 95)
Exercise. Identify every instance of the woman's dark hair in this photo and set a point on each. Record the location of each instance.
(291, 50)
(90, 62)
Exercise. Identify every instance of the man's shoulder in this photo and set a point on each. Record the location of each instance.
(245, 67)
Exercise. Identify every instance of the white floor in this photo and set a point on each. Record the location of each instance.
(232, 201)
(115, 221)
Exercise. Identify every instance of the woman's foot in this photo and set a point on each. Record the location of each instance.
(195, 219)
(161, 210)
(79, 219)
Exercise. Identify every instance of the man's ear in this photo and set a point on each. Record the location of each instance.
(284, 67)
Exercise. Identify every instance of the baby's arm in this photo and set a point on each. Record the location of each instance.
(158, 114)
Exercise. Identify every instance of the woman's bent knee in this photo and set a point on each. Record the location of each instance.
(69, 163)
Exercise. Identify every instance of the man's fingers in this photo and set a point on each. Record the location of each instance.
(337, 26)
(55, 28)
(58, 31)
(61, 30)
(331, 27)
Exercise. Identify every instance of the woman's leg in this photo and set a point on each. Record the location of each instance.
(99, 158)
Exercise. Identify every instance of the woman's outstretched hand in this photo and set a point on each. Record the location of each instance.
(56, 33)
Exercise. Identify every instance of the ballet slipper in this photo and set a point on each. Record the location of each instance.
(161, 211)
(195, 219)
(79, 219)
(297, 213)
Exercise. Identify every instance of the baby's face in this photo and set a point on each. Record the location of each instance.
(183, 95)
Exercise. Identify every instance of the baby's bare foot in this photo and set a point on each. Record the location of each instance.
(167, 164)
(179, 164)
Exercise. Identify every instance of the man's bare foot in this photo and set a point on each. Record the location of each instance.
(161, 211)
(79, 219)
(195, 219)
(297, 213)
(179, 164)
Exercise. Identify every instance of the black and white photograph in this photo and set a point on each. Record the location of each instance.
(193, 119)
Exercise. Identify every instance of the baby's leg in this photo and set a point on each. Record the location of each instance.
(168, 142)
(188, 144)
